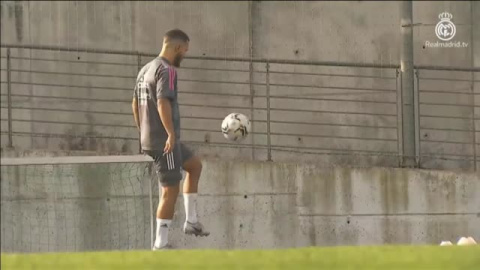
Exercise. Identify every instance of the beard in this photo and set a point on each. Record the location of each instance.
(176, 61)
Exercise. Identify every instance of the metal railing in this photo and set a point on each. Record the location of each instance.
(297, 108)
(447, 114)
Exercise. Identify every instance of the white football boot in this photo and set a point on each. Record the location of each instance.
(195, 229)
(167, 246)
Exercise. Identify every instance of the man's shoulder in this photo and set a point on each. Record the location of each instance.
(160, 65)
(155, 62)
(154, 67)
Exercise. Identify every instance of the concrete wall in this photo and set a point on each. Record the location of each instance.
(359, 32)
(244, 204)
(362, 31)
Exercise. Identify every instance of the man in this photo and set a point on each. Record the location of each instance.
(157, 116)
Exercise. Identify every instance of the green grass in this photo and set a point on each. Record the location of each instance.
(380, 257)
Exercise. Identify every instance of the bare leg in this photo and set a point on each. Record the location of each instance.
(165, 211)
(193, 167)
(166, 206)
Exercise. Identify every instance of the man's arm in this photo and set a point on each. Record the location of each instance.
(165, 95)
(165, 111)
(135, 112)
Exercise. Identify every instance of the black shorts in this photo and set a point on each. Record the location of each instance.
(167, 166)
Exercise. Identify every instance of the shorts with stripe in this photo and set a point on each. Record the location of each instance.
(168, 166)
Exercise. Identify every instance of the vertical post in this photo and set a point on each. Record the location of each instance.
(150, 174)
(398, 86)
(250, 68)
(473, 126)
(150, 193)
(9, 100)
(472, 45)
(416, 90)
(269, 144)
(407, 84)
(139, 63)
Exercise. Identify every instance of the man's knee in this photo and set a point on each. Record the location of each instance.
(170, 192)
(193, 165)
(199, 165)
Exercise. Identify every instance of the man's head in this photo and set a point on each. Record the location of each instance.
(175, 46)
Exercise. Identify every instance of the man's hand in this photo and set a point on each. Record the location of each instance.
(169, 145)
(165, 111)
(135, 113)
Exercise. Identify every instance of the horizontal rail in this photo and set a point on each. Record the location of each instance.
(432, 155)
(286, 110)
(367, 152)
(204, 68)
(448, 92)
(210, 119)
(335, 94)
(333, 137)
(70, 123)
(73, 98)
(73, 86)
(446, 104)
(66, 49)
(331, 124)
(229, 59)
(204, 130)
(252, 120)
(183, 117)
(73, 74)
(120, 64)
(128, 77)
(447, 129)
(202, 81)
(53, 135)
(448, 117)
(333, 87)
(210, 106)
(447, 68)
(354, 154)
(220, 82)
(332, 112)
(66, 110)
(446, 79)
(254, 60)
(219, 119)
(290, 97)
(332, 99)
(379, 154)
(337, 150)
(334, 152)
(445, 141)
(74, 61)
(327, 74)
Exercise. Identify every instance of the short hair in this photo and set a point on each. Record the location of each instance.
(176, 34)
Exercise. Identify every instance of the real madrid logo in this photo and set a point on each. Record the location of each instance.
(445, 28)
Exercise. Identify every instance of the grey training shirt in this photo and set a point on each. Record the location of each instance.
(157, 79)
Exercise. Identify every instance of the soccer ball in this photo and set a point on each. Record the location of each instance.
(235, 127)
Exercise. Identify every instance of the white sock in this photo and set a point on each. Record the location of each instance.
(190, 201)
(162, 232)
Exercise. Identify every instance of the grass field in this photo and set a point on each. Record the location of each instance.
(381, 257)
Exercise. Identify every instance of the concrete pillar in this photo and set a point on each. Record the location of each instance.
(407, 72)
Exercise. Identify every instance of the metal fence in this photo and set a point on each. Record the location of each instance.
(339, 113)
(447, 114)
